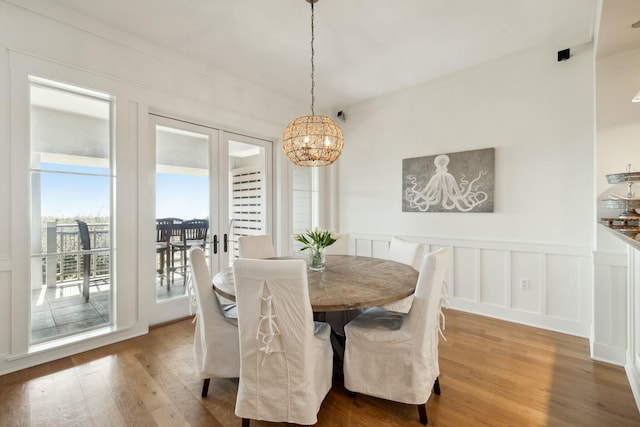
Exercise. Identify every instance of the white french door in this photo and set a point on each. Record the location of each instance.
(204, 174)
(249, 195)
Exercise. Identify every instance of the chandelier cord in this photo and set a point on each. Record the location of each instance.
(312, 140)
(313, 68)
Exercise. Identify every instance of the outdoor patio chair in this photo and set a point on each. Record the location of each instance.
(164, 228)
(193, 233)
(85, 245)
(174, 230)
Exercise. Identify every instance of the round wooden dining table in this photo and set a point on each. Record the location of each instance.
(347, 283)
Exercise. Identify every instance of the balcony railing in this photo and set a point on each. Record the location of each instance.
(63, 256)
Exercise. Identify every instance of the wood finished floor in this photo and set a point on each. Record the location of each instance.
(493, 373)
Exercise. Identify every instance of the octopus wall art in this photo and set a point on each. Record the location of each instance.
(453, 182)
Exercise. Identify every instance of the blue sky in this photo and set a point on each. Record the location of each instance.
(182, 196)
(72, 195)
(68, 195)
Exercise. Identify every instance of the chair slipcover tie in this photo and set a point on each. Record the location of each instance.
(192, 296)
(444, 303)
(441, 325)
(194, 303)
(272, 329)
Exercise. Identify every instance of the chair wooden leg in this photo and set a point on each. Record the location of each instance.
(170, 276)
(86, 277)
(245, 422)
(436, 387)
(205, 387)
(422, 411)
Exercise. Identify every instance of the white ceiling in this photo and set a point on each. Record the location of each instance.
(364, 48)
(616, 34)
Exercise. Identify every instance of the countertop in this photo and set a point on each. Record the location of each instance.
(628, 234)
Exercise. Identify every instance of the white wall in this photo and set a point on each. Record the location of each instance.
(538, 114)
(145, 78)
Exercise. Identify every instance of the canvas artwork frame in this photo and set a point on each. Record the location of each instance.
(452, 182)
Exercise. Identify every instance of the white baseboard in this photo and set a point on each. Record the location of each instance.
(634, 381)
(525, 318)
(608, 353)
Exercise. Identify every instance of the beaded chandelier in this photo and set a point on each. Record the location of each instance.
(312, 140)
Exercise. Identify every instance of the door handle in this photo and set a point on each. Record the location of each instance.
(215, 243)
(225, 242)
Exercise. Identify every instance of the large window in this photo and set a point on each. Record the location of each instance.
(71, 192)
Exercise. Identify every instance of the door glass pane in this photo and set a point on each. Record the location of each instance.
(182, 205)
(71, 179)
(247, 193)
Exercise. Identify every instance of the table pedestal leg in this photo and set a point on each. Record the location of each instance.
(337, 320)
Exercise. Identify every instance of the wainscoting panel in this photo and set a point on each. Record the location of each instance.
(609, 340)
(563, 279)
(363, 247)
(525, 268)
(494, 277)
(466, 280)
(547, 286)
(379, 248)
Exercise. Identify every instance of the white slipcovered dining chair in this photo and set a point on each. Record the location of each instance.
(256, 247)
(393, 355)
(409, 253)
(216, 340)
(286, 362)
(340, 246)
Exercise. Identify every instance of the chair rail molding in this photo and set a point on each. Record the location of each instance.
(5, 264)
